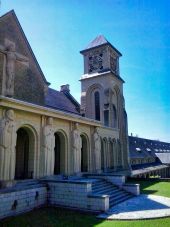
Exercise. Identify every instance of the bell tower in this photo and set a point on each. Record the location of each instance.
(102, 92)
(100, 56)
(99, 99)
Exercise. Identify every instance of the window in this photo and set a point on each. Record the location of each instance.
(138, 149)
(114, 117)
(97, 105)
(106, 118)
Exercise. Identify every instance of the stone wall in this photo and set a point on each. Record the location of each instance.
(29, 82)
(17, 202)
(55, 193)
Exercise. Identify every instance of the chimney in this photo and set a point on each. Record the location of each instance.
(65, 88)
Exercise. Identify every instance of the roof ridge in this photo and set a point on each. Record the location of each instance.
(6, 14)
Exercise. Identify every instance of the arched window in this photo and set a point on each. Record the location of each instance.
(114, 117)
(97, 105)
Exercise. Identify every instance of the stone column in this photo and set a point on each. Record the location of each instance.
(48, 144)
(97, 150)
(7, 146)
(77, 145)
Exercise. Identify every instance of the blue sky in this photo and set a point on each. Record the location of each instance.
(140, 29)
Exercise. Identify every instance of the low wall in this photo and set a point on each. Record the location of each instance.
(13, 203)
(132, 188)
(75, 194)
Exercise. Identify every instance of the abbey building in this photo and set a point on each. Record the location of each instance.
(48, 139)
(46, 132)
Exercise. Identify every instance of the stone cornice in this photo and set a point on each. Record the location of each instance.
(41, 110)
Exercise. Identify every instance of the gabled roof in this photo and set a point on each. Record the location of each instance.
(99, 41)
(58, 100)
(12, 13)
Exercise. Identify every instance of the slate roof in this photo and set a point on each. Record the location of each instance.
(99, 41)
(164, 157)
(58, 100)
(147, 147)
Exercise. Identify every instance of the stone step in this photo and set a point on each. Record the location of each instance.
(118, 192)
(113, 203)
(105, 190)
(115, 197)
(99, 184)
(103, 187)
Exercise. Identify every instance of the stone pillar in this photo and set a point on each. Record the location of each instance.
(76, 147)
(97, 150)
(7, 146)
(48, 145)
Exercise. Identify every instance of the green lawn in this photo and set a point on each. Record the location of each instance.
(155, 187)
(49, 217)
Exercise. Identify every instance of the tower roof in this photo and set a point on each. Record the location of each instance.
(100, 40)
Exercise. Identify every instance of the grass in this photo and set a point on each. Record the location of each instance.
(51, 217)
(155, 187)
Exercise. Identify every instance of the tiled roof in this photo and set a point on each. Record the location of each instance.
(99, 41)
(58, 100)
(164, 157)
(141, 148)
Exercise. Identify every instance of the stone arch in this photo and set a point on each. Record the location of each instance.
(90, 101)
(60, 153)
(26, 146)
(84, 153)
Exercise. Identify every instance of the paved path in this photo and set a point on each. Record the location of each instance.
(140, 207)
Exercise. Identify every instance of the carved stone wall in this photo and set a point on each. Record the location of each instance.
(29, 84)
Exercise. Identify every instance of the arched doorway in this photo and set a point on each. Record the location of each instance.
(84, 154)
(60, 157)
(24, 166)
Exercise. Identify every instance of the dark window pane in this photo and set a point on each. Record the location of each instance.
(97, 105)
(106, 118)
(114, 117)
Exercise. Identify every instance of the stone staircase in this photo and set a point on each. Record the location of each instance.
(116, 195)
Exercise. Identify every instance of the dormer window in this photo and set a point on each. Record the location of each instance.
(148, 149)
(138, 149)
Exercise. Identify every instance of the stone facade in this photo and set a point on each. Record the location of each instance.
(43, 139)
(29, 81)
